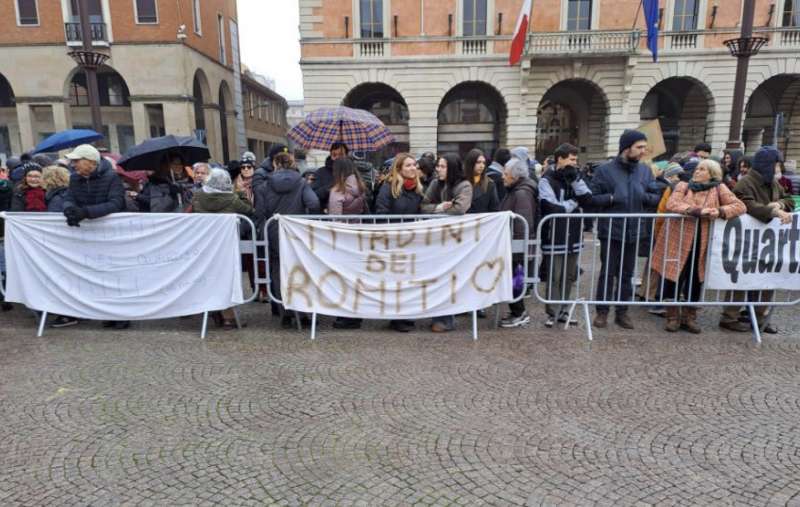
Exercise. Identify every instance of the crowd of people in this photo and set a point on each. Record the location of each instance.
(86, 185)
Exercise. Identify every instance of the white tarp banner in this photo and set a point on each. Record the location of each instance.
(125, 266)
(396, 270)
(747, 254)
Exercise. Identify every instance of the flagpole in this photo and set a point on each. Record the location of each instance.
(638, 11)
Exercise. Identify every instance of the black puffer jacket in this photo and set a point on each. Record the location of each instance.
(620, 186)
(407, 203)
(324, 183)
(485, 202)
(284, 192)
(101, 194)
(56, 199)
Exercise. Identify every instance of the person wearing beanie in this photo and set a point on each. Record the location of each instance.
(765, 200)
(266, 167)
(622, 185)
(703, 151)
(29, 194)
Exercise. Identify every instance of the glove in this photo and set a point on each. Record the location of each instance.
(570, 173)
(75, 215)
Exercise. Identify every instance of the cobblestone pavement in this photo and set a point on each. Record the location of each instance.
(155, 416)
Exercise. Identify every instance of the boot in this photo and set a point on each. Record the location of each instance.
(689, 320)
(673, 317)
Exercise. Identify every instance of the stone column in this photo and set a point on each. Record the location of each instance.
(25, 122)
(61, 116)
(141, 122)
(213, 131)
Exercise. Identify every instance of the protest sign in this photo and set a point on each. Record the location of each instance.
(124, 266)
(747, 254)
(396, 270)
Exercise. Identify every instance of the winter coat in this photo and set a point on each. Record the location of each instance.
(522, 198)
(6, 193)
(223, 202)
(56, 199)
(324, 182)
(757, 195)
(484, 201)
(437, 194)
(101, 194)
(495, 173)
(622, 187)
(350, 202)
(558, 196)
(284, 192)
(19, 199)
(162, 196)
(407, 203)
(676, 239)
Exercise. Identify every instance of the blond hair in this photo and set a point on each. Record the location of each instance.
(713, 168)
(54, 176)
(395, 180)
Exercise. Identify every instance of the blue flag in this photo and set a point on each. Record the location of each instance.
(651, 18)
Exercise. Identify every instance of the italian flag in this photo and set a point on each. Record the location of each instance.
(520, 33)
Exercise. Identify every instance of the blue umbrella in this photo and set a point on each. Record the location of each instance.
(67, 139)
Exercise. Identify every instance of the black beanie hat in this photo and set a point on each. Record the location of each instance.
(629, 138)
(278, 148)
(764, 163)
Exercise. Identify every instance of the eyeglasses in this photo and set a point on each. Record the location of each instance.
(247, 167)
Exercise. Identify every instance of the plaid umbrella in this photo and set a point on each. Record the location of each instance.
(360, 130)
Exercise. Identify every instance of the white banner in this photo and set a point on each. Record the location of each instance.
(747, 254)
(396, 270)
(125, 266)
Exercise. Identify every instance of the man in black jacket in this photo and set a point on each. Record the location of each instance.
(324, 182)
(561, 191)
(622, 185)
(95, 190)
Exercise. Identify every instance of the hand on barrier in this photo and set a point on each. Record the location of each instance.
(75, 215)
(786, 218)
(710, 212)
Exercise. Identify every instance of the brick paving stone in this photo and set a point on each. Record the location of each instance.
(533, 416)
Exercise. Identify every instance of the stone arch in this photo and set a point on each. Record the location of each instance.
(780, 94)
(472, 114)
(226, 109)
(389, 105)
(573, 111)
(685, 107)
(115, 106)
(9, 129)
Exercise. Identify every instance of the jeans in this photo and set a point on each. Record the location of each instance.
(560, 282)
(617, 263)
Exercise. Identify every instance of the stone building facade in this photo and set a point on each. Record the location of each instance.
(437, 72)
(265, 114)
(174, 68)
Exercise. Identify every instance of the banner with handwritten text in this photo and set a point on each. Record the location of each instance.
(396, 270)
(124, 266)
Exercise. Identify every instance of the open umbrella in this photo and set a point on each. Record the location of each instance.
(360, 130)
(148, 155)
(67, 139)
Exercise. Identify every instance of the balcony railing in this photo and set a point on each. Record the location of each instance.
(681, 40)
(589, 42)
(788, 37)
(371, 49)
(474, 46)
(73, 32)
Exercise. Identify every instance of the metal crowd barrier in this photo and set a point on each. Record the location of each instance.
(518, 246)
(253, 246)
(595, 286)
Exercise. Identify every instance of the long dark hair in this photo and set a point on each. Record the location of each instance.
(470, 161)
(455, 174)
(343, 168)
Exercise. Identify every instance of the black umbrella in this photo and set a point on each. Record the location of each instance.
(149, 155)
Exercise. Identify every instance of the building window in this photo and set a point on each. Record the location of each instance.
(221, 33)
(791, 13)
(27, 12)
(198, 19)
(685, 15)
(474, 17)
(95, 11)
(579, 15)
(146, 11)
(371, 12)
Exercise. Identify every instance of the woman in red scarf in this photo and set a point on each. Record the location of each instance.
(29, 194)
